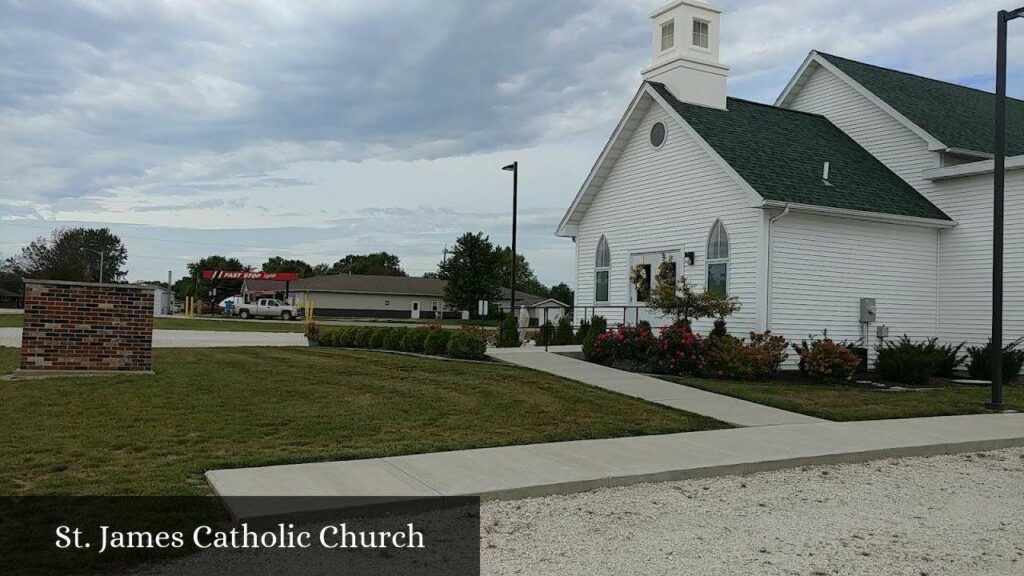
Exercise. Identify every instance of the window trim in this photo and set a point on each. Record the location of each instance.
(695, 34)
(661, 36)
(603, 268)
(663, 139)
(709, 261)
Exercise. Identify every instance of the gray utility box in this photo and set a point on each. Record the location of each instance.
(867, 310)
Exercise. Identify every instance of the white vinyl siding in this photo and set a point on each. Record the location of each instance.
(965, 252)
(965, 277)
(823, 266)
(668, 199)
(903, 151)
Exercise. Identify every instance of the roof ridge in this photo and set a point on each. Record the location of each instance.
(921, 76)
(754, 102)
(779, 108)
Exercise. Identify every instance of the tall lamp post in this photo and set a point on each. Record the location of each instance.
(999, 189)
(101, 260)
(514, 169)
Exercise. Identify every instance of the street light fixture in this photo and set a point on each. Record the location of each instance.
(999, 191)
(101, 260)
(514, 169)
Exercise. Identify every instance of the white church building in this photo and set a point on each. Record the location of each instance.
(859, 203)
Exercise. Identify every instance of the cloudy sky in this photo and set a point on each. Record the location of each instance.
(316, 128)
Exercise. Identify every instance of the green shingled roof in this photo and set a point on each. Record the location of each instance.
(781, 152)
(955, 115)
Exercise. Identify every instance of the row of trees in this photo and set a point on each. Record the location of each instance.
(476, 269)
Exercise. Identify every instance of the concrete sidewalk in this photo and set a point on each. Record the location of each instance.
(724, 408)
(566, 467)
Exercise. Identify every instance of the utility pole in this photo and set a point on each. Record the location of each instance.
(101, 260)
(998, 220)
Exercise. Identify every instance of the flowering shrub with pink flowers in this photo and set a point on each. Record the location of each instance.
(827, 360)
(681, 351)
(625, 345)
(735, 359)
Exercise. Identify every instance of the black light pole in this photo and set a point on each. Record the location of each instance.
(999, 190)
(514, 169)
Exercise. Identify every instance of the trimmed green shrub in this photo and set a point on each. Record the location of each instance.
(363, 337)
(598, 326)
(908, 362)
(466, 346)
(581, 334)
(347, 336)
(563, 333)
(949, 359)
(508, 333)
(414, 339)
(323, 337)
(393, 339)
(546, 333)
(377, 339)
(914, 363)
(436, 343)
(336, 336)
(979, 364)
(719, 330)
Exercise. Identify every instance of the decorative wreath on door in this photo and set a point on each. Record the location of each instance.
(640, 278)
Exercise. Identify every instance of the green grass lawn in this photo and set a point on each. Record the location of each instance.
(226, 325)
(845, 403)
(183, 323)
(10, 320)
(235, 407)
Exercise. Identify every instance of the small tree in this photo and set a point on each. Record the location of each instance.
(680, 301)
(508, 333)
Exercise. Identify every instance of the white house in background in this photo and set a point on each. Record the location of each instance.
(859, 183)
(163, 299)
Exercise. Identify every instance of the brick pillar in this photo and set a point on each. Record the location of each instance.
(76, 326)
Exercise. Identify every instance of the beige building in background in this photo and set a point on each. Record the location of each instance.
(355, 295)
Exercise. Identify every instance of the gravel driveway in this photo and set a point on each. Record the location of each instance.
(956, 515)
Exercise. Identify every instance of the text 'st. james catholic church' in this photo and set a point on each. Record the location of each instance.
(861, 199)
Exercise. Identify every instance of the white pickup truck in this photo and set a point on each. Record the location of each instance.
(267, 308)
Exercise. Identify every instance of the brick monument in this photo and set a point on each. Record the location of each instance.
(81, 326)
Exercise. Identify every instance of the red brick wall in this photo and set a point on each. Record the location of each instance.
(82, 326)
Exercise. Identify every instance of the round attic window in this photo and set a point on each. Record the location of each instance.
(657, 135)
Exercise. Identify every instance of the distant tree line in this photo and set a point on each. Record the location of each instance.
(475, 268)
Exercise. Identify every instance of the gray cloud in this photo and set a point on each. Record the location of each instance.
(163, 112)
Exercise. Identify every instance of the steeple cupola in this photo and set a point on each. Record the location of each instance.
(685, 47)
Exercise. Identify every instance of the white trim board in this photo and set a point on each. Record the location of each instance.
(972, 169)
(860, 214)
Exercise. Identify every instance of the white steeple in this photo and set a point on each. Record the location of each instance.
(685, 45)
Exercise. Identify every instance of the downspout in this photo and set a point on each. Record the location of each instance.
(768, 275)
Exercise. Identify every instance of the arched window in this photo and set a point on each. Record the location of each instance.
(602, 264)
(718, 260)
